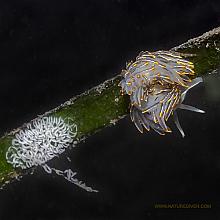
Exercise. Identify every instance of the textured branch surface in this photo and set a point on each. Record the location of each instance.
(103, 105)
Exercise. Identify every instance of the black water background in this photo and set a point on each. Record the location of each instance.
(52, 50)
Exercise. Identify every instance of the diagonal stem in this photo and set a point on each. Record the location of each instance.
(103, 105)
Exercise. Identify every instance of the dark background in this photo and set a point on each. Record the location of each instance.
(53, 50)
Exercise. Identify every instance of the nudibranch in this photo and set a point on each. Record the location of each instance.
(157, 83)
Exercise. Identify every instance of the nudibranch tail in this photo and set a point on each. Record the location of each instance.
(157, 83)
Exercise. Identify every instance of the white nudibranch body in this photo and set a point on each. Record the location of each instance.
(157, 83)
(41, 141)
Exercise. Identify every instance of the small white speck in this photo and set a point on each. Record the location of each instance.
(113, 121)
